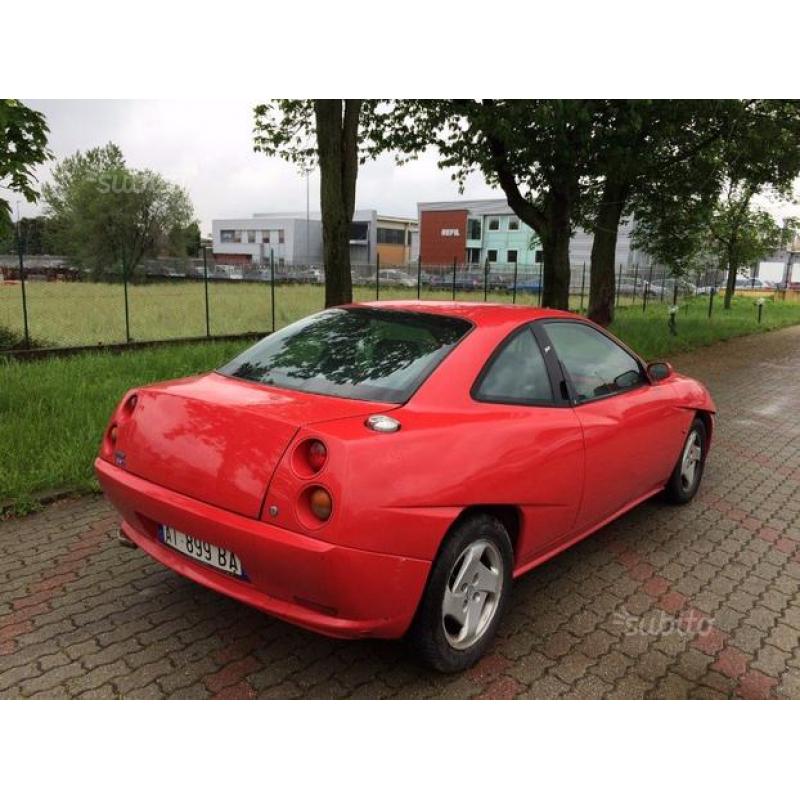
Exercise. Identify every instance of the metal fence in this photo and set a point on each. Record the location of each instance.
(46, 304)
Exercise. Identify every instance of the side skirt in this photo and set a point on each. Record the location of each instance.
(561, 546)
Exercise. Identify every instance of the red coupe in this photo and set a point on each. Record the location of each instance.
(388, 468)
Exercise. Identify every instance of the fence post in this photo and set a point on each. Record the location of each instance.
(454, 277)
(22, 286)
(619, 286)
(514, 290)
(377, 276)
(635, 276)
(711, 294)
(127, 313)
(485, 279)
(272, 285)
(205, 290)
(583, 284)
(419, 276)
(646, 289)
(541, 284)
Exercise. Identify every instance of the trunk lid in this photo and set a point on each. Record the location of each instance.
(219, 439)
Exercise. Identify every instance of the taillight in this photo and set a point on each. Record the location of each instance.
(320, 503)
(317, 454)
(309, 457)
(112, 434)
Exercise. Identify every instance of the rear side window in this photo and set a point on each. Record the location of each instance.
(358, 353)
(516, 374)
(595, 365)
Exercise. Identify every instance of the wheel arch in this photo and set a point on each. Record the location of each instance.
(509, 516)
(707, 418)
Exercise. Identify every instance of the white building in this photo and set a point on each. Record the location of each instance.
(296, 239)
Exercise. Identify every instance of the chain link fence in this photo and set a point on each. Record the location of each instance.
(45, 303)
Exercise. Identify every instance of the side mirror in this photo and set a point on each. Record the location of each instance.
(659, 370)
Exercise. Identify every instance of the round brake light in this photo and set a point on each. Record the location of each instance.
(112, 434)
(321, 504)
(317, 454)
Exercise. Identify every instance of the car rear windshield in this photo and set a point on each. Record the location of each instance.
(358, 353)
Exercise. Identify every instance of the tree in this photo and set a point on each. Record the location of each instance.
(109, 217)
(536, 151)
(656, 149)
(326, 132)
(23, 145)
(741, 235)
(34, 237)
(759, 153)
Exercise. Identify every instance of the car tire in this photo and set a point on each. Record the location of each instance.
(466, 595)
(685, 479)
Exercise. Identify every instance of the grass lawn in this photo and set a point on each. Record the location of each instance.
(91, 313)
(53, 412)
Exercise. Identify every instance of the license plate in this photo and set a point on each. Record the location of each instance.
(204, 552)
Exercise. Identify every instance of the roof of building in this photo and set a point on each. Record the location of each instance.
(491, 206)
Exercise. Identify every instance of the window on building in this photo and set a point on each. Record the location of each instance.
(513, 223)
(473, 229)
(539, 257)
(359, 231)
(237, 236)
(494, 223)
(281, 237)
(512, 257)
(251, 237)
(473, 255)
(391, 236)
(408, 238)
(492, 256)
(517, 374)
(265, 237)
(227, 236)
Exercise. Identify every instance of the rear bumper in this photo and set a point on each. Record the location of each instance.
(330, 589)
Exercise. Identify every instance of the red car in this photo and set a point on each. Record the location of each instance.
(388, 469)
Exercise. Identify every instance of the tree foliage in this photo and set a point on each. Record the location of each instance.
(23, 145)
(107, 216)
(537, 151)
(714, 204)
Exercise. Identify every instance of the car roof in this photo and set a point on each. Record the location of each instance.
(478, 313)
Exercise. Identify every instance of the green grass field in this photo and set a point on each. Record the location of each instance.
(92, 313)
(53, 412)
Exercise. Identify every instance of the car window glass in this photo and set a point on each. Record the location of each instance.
(595, 365)
(517, 374)
(359, 353)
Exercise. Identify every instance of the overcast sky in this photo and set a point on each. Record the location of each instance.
(207, 147)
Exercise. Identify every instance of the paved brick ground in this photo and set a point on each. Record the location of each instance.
(701, 601)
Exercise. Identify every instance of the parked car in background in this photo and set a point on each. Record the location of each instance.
(629, 286)
(396, 277)
(754, 284)
(317, 476)
(666, 288)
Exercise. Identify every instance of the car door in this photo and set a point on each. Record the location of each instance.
(632, 428)
(536, 443)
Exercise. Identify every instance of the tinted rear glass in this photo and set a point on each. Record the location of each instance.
(360, 353)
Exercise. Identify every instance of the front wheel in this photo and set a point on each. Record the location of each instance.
(466, 595)
(685, 479)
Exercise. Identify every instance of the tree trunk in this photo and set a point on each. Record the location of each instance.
(730, 284)
(337, 146)
(602, 284)
(555, 247)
